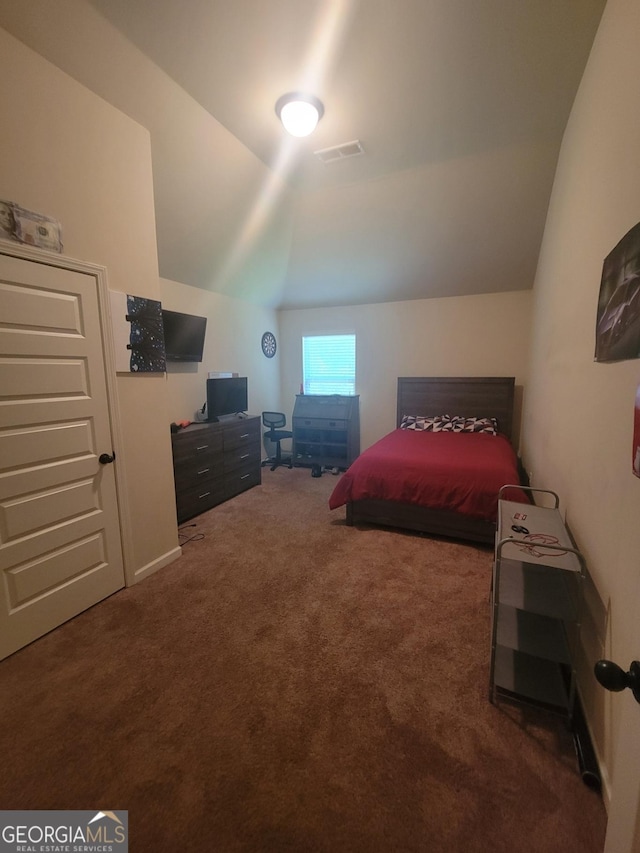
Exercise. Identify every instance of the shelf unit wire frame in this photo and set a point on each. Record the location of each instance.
(495, 691)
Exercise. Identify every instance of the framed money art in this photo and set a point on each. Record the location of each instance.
(28, 227)
(138, 334)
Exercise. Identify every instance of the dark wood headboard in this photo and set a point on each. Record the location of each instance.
(467, 396)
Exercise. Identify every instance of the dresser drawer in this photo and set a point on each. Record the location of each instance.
(320, 423)
(241, 434)
(325, 407)
(196, 499)
(192, 445)
(193, 472)
(244, 477)
(248, 454)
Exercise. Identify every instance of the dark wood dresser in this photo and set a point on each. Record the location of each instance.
(212, 462)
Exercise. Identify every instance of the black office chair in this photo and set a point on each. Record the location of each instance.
(274, 421)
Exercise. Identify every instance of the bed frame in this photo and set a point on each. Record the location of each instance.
(482, 397)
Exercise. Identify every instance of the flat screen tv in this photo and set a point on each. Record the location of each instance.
(226, 396)
(183, 336)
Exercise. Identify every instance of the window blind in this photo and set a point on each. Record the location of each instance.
(329, 364)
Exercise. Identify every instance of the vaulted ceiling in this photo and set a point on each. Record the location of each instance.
(459, 105)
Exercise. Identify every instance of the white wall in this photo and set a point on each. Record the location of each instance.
(69, 154)
(244, 225)
(578, 417)
(232, 343)
(456, 336)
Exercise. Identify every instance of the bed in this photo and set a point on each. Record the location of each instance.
(428, 474)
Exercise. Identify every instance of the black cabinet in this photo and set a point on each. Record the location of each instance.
(326, 430)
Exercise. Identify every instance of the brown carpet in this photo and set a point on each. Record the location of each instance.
(292, 684)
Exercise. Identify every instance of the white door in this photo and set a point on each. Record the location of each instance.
(60, 547)
(623, 826)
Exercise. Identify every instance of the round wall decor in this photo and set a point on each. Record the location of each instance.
(269, 344)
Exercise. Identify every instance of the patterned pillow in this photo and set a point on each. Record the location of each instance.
(489, 426)
(417, 423)
(448, 423)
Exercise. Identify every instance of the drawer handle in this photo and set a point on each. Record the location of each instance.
(204, 471)
(244, 456)
(246, 435)
(203, 447)
(206, 495)
(244, 476)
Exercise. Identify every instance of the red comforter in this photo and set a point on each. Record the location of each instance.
(452, 471)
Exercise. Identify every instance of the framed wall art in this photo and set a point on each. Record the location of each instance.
(138, 334)
(618, 318)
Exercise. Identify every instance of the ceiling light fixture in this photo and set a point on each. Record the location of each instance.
(299, 113)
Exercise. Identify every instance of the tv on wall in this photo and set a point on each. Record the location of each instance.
(226, 396)
(183, 336)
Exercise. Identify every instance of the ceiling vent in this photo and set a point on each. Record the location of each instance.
(340, 152)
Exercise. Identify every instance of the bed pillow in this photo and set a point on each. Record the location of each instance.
(417, 423)
(446, 423)
(484, 425)
(437, 423)
(449, 423)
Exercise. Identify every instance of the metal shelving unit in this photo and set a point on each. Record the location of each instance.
(536, 604)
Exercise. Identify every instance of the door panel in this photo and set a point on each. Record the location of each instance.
(29, 513)
(40, 379)
(49, 443)
(36, 577)
(60, 548)
(38, 309)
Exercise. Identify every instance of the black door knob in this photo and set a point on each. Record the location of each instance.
(613, 677)
(105, 459)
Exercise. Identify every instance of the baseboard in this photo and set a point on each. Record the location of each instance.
(156, 565)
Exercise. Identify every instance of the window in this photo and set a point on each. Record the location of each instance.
(329, 364)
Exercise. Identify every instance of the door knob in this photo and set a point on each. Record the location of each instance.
(613, 677)
(106, 459)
